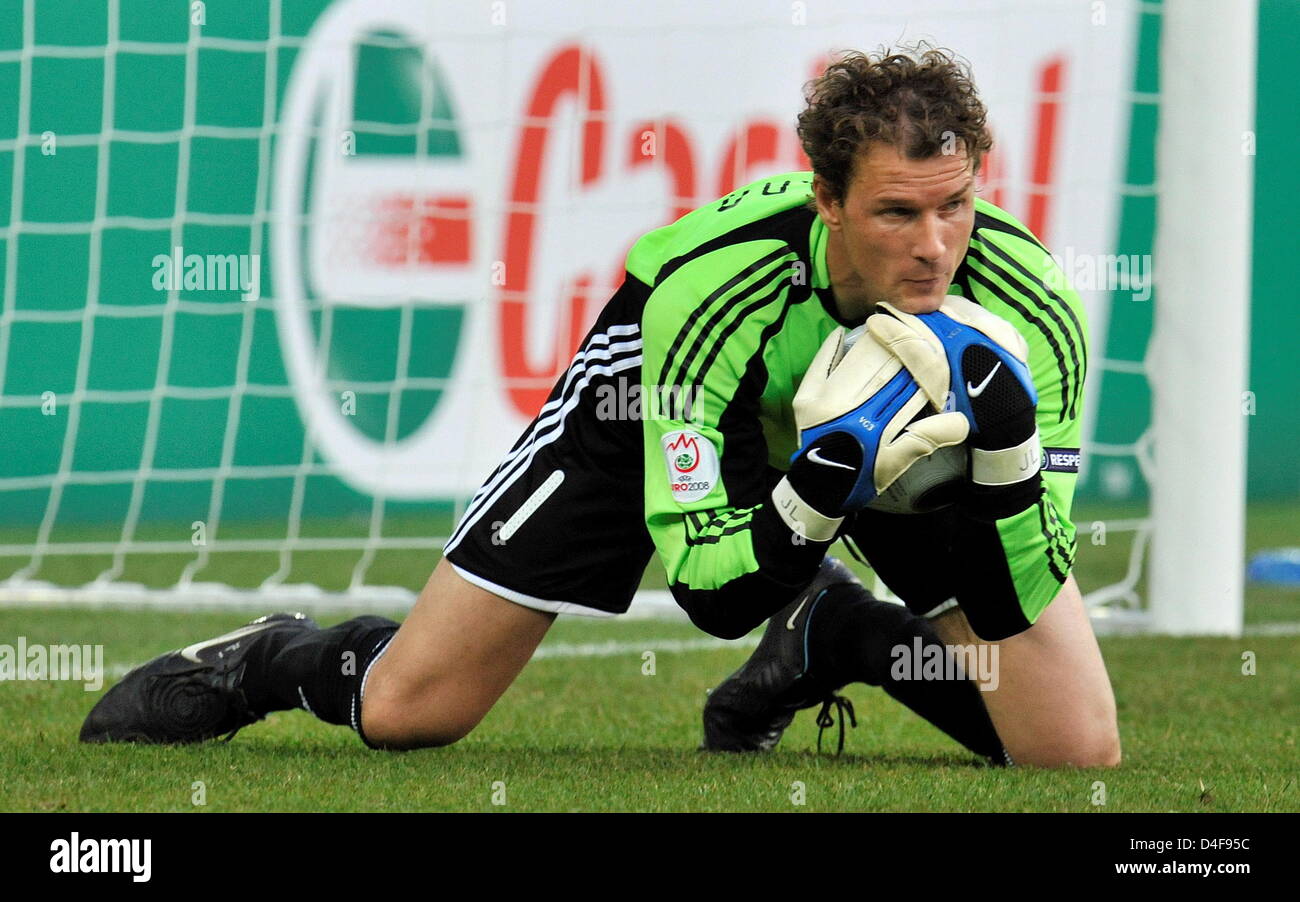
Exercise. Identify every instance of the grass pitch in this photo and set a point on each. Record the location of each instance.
(596, 733)
(585, 728)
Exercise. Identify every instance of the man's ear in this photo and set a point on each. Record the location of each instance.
(827, 206)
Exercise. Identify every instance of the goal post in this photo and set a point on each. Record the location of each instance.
(1198, 358)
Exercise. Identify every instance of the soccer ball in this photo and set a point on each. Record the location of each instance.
(929, 484)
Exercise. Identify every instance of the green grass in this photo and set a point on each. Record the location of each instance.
(596, 734)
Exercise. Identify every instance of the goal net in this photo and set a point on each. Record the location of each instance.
(282, 281)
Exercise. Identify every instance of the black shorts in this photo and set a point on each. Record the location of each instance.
(560, 524)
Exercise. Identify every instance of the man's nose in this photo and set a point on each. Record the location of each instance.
(929, 244)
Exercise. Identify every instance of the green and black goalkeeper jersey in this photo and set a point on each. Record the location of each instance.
(740, 303)
(718, 318)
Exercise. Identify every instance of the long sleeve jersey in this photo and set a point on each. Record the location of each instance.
(736, 301)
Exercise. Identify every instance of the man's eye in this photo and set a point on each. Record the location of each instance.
(953, 205)
(895, 211)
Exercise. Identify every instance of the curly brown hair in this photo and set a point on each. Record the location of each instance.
(919, 99)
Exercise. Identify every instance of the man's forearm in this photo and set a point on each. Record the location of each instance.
(787, 561)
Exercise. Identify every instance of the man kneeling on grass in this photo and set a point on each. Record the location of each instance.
(771, 442)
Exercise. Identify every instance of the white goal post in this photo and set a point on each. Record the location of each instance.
(1200, 344)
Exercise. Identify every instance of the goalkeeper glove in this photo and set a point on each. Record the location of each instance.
(967, 359)
(855, 410)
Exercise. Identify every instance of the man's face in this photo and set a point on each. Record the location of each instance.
(902, 228)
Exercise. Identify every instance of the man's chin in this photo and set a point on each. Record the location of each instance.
(920, 302)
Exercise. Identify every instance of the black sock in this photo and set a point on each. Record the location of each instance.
(322, 671)
(856, 641)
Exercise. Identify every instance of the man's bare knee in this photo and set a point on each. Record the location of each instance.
(1095, 748)
(454, 656)
(1105, 752)
(399, 714)
(1073, 757)
(398, 721)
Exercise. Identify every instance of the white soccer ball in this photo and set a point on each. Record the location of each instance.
(928, 485)
(849, 341)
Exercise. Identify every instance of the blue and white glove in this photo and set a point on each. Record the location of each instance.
(855, 410)
(974, 362)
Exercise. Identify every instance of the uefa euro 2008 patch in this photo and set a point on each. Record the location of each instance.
(692, 465)
(1061, 460)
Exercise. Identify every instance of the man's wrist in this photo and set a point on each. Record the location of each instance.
(993, 503)
(786, 550)
(800, 517)
(1007, 466)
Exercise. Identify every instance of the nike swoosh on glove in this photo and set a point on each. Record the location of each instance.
(855, 412)
(974, 362)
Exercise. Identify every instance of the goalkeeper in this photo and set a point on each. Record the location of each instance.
(740, 487)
